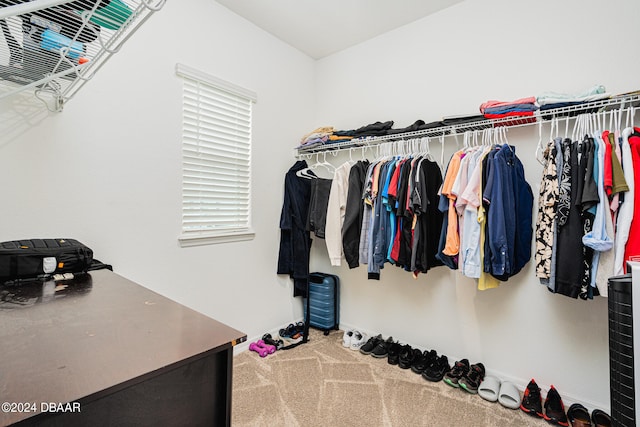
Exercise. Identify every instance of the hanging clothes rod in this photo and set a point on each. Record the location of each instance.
(568, 113)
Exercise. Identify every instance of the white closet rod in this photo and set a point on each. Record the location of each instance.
(539, 117)
(32, 6)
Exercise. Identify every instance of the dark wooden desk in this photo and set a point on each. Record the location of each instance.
(122, 354)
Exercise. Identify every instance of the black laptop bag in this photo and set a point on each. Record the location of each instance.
(42, 258)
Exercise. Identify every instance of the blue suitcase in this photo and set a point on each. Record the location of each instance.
(324, 290)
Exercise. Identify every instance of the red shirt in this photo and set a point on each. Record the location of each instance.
(632, 250)
(608, 172)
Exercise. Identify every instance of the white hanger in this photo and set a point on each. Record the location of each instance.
(325, 164)
(442, 150)
(306, 172)
(427, 142)
(576, 123)
(554, 125)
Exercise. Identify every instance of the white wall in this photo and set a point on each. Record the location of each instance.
(107, 170)
(449, 64)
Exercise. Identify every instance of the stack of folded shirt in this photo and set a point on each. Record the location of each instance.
(373, 129)
(319, 136)
(500, 109)
(328, 135)
(551, 100)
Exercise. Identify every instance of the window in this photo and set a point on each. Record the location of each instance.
(216, 159)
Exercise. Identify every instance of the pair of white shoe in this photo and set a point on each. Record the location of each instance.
(354, 339)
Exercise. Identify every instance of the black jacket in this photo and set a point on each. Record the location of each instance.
(295, 242)
(353, 213)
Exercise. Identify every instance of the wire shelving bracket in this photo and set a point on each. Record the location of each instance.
(54, 47)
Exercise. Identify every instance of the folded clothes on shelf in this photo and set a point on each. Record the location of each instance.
(523, 102)
(594, 93)
(524, 107)
(373, 129)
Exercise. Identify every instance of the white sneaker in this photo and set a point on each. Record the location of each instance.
(346, 338)
(357, 340)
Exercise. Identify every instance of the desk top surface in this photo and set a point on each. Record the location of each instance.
(60, 344)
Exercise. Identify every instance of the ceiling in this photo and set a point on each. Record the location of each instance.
(322, 27)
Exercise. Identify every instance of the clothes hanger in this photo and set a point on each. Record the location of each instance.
(554, 124)
(427, 151)
(442, 150)
(576, 123)
(538, 146)
(325, 164)
(306, 172)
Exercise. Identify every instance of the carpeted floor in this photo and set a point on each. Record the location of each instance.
(321, 383)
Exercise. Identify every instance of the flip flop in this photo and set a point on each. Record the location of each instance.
(509, 396)
(488, 389)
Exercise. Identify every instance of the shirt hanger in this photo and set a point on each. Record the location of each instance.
(442, 150)
(539, 146)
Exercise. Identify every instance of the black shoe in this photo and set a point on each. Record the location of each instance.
(268, 339)
(436, 370)
(532, 400)
(472, 379)
(407, 355)
(600, 418)
(460, 368)
(554, 408)
(368, 347)
(382, 349)
(423, 361)
(393, 353)
(288, 332)
(579, 416)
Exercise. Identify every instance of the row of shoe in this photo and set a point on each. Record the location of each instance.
(554, 411)
(427, 363)
(471, 378)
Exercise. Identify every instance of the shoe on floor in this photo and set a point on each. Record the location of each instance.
(532, 400)
(436, 370)
(407, 354)
(472, 379)
(372, 343)
(277, 343)
(382, 349)
(346, 338)
(460, 368)
(554, 408)
(423, 361)
(509, 395)
(578, 416)
(600, 418)
(287, 332)
(358, 339)
(393, 353)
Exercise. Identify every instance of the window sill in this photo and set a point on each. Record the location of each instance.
(187, 240)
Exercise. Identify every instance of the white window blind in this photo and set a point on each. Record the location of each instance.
(216, 159)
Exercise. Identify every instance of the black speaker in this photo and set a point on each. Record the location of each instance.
(621, 369)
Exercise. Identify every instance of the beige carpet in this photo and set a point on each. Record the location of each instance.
(321, 383)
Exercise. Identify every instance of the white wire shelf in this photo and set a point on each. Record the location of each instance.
(53, 47)
(614, 102)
